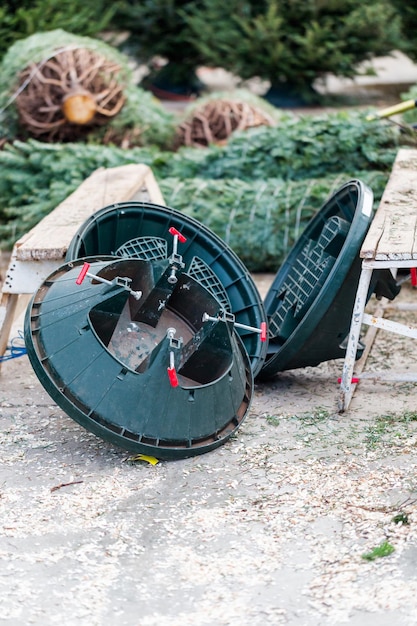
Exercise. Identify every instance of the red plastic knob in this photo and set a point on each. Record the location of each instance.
(83, 273)
(176, 232)
(263, 331)
(172, 375)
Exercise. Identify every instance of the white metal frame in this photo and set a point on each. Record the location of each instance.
(359, 317)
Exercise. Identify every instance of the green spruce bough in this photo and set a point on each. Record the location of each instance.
(257, 192)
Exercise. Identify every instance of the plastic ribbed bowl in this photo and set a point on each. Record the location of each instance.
(110, 228)
(310, 303)
(103, 356)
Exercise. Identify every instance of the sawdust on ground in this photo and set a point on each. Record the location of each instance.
(271, 528)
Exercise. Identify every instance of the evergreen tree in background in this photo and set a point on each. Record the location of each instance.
(159, 28)
(408, 13)
(22, 18)
(292, 43)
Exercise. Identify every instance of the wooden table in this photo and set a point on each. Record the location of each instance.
(391, 242)
(43, 249)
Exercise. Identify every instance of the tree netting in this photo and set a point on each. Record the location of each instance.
(63, 87)
(261, 219)
(213, 118)
(257, 192)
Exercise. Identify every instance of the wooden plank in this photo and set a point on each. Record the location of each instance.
(50, 238)
(392, 234)
(397, 240)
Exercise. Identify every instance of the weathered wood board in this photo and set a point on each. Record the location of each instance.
(50, 238)
(392, 234)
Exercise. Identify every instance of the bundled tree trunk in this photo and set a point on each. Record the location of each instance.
(214, 121)
(65, 96)
(57, 86)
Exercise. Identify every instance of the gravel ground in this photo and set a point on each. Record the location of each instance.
(271, 528)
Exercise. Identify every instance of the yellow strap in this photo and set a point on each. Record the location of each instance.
(143, 457)
(397, 108)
